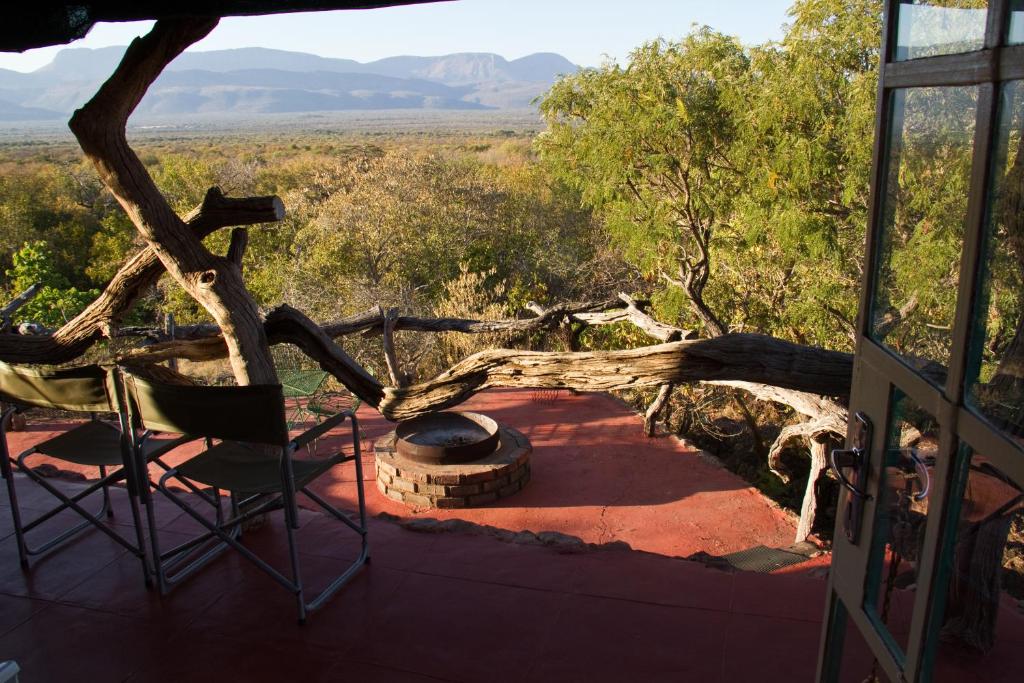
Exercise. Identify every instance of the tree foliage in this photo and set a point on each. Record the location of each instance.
(57, 301)
(738, 176)
(650, 145)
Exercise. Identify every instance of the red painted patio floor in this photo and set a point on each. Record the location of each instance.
(448, 606)
(454, 606)
(594, 476)
(430, 606)
(457, 606)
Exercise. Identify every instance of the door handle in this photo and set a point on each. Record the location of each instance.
(923, 475)
(854, 458)
(845, 458)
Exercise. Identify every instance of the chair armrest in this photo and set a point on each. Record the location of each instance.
(318, 431)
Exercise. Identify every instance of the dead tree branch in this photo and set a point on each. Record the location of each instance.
(654, 410)
(809, 506)
(390, 356)
(811, 430)
(371, 321)
(236, 250)
(749, 357)
(14, 304)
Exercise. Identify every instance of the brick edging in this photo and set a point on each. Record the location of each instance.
(453, 486)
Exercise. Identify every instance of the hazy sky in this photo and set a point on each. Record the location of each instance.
(582, 30)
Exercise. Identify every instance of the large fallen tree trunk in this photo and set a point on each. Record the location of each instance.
(752, 359)
(748, 357)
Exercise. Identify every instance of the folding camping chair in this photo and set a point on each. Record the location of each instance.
(93, 443)
(254, 455)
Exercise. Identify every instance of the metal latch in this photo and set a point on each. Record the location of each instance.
(854, 458)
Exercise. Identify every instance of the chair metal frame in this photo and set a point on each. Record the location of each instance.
(223, 532)
(126, 471)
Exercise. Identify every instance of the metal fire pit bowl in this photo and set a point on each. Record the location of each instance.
(447, 437)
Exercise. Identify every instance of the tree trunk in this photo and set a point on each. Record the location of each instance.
(214, 281)
(712, 324)
(809, 507)
(656, 407)
(752, 357)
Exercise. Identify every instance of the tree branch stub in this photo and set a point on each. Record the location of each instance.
(390, 356)
(236, 250)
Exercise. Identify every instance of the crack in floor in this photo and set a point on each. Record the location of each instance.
(605, 534)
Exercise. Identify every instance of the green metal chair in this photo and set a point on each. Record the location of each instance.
(308, 396)
(93, 443)
(327, 403)
(254, 454)
(302, 390)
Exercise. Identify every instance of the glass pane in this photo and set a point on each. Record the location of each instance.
(857, 664)
(926, 28)
(995, 385)
(911, 449)
(924, 206)
(979, 633)
(1016, 35)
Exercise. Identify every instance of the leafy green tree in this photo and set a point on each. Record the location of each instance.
(794, 268)
(739, 177)
(650, 145)
(41, 201)
(115, 240)
(399, 227)
(56, 301)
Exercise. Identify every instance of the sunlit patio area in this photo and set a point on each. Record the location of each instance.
(578, 577)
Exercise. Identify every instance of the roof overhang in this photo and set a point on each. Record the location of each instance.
(44, 23)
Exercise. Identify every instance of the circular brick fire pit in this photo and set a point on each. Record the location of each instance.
(460, 485)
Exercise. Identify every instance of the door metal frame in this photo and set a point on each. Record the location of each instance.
(877, 370)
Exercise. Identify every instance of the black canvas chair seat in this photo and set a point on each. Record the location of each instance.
(97, 443)
(234, 466)
(93, 443)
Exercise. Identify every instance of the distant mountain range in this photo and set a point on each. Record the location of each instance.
(258, 80)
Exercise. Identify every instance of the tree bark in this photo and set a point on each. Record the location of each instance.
(390, 355)
(809, 507)
(656, 407)
(288, 325)
(214, 281)
(750, 357)
(651, 327)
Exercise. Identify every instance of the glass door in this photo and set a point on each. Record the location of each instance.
(927, 579)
